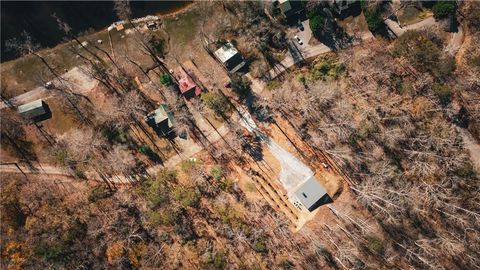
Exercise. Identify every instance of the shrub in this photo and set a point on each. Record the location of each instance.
(54, 252)
(445, 67)
(216, 102)
(61, 156)
(273, 84)
(353, 140)
(226, 185)
(287, 265)
(417, 49)
(77, 231)
(166, 80)
(462, 118)
(260, 246)
(443, 92)
(374, 244)
(157, 193)
(98, 192)
(216, 172)
(367, 129)
(374, 20)
(475, 61)
(372, 16)
(443, 9)
(166, 217)
(187, 165)
(466, 170)
(188, 197)
(312, 8)
(79, 173)
(218, 260)
(154, 218)
(424, 54)
(316, 24)
(167, 175)
(322, 69)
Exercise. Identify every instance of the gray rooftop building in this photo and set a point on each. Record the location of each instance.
(230, 57)
(312, 194)
(161, 120)
(34, 110)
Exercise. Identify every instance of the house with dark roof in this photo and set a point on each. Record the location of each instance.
(36, 110)
(312, 194)
(161, 120)
(289, 8)
(341, 6)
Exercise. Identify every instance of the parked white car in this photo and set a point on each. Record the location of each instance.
(298, 40)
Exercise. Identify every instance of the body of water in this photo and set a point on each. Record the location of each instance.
(35, 17)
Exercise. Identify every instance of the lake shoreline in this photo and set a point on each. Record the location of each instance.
(160, 14)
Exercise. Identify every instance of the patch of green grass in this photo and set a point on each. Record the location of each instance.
(274, 84)
(182, 30)
(28, 72)
(411, 14)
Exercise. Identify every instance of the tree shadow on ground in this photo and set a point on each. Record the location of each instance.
(253, 147)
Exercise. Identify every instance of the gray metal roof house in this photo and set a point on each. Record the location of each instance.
(34, 110)
(230, 57)
(289, 8)
(161, 120)
(312, 194)
(339, 6)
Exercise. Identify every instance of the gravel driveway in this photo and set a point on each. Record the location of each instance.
(293, 171)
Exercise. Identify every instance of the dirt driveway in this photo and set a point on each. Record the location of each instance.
(293, 171)
(75, 78)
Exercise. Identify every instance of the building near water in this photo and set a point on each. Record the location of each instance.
(288, 8)
(311, 194)
(341, 6)
(229, 56)
(187, 86)
(34, 110)
(161, 120)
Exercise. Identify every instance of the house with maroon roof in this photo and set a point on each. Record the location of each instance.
(188, 87)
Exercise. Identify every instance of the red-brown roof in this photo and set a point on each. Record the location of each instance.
(186, 83)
